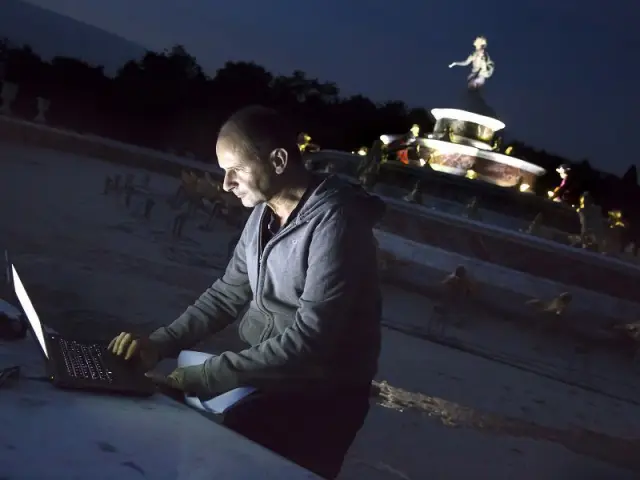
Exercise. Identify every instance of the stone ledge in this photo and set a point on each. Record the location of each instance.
(421, 267)
(31, 134)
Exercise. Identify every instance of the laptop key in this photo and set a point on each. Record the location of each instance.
(85, 361)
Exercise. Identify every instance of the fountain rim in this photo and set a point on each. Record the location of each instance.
(487, 155)
(466, 116)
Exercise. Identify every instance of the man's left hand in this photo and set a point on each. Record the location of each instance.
(175, 379)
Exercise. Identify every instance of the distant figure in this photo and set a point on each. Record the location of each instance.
(629, 333)
(566, 191)
(330, 168)
(384, 259)
(188, 183)
(555, 306)
(472, 210)
(592, 224)
(415, 195)
(369, 166)
(413, 147)
(458, 285)
(482, 67)
(535, 227)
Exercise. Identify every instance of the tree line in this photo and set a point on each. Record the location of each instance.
(165, 101)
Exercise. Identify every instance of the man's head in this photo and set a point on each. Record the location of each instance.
(257, 149)
(586, 200)
(563, 170)
(480, 43)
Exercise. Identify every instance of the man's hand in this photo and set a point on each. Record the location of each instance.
(451, 65)
(130, 347)
(174, 380)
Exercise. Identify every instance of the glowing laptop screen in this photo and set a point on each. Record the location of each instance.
(29, 311)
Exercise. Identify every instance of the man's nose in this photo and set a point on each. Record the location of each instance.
(226, 183)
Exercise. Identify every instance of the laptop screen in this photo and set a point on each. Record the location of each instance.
(29, 311)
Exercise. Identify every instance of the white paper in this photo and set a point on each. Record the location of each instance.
(219, 404)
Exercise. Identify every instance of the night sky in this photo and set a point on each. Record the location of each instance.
(567, 71)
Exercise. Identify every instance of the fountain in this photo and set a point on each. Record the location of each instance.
(467, 141)
(460, 158)
(464, 143)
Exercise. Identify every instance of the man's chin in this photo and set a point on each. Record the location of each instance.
(247, 202)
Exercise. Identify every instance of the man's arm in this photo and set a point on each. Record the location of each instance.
(216, 308)
(564, 186)
(463, 63)
(340, 253)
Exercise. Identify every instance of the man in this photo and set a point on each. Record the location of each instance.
(306, 266)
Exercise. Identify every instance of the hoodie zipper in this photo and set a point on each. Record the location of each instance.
(260, 283)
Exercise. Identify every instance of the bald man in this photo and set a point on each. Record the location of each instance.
(306, 267)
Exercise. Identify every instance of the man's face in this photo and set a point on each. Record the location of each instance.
(248, 177)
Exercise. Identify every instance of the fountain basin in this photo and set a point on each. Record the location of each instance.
(492, 167)
(471, 128)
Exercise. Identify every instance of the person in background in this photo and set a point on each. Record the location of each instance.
(306, 267)
(592, 224)
(567, 187)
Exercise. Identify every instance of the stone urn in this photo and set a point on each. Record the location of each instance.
(43, 108)
(8, 95)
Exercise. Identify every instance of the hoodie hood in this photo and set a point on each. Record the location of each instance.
(333, 192)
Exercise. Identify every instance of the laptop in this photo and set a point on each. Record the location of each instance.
(79, 364)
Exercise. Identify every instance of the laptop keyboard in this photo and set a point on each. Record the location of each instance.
(84, 361)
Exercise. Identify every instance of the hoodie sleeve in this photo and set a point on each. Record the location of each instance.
(216, 308)
(338, 257)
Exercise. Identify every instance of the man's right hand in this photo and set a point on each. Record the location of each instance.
(132, 347)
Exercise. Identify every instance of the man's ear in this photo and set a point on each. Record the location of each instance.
(279, 158)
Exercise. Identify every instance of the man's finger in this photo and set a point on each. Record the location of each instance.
(173, 381)
(124, 342)
(113, 343)
(116, 343)
(176, 379)
(133, 347)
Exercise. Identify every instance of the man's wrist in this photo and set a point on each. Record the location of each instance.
(163, 344)
(193, 380)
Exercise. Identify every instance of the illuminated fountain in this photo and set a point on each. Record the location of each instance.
(466, 141)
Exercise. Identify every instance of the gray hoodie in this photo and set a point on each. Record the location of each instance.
(315, 305)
